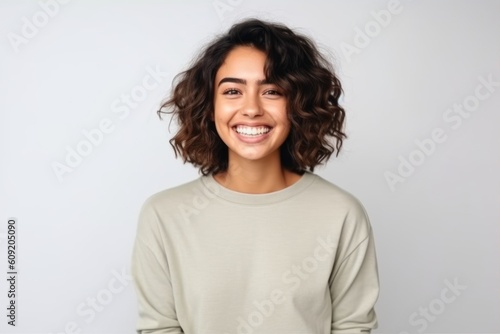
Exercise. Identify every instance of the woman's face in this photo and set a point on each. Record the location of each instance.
(250, 113)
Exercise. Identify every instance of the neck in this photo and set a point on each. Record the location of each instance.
(256, 177)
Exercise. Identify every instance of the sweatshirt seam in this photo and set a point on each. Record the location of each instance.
(274, 202)
(144, 243)
(156, 229)
(349, 255)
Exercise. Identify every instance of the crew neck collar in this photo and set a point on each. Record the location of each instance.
(220, 191)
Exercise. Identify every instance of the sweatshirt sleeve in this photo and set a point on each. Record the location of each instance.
(151, 275)
(354, 284)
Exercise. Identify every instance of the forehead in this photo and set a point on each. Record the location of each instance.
(244, 62)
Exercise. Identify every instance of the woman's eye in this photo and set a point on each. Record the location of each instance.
(272, 92)
(230, 91)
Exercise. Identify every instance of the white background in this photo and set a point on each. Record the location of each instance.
(71, 72)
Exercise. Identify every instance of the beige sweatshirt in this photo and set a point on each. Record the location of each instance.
(209, 260)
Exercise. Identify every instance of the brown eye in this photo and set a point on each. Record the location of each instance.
(230, 91)
(273, 92)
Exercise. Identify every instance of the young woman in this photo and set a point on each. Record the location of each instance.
(258, 243)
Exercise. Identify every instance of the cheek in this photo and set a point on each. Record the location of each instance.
(220, 115)
(222, 108)
(283, 116)
(287, 122)
(221, 119)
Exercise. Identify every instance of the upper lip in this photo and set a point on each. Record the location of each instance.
(252, 124)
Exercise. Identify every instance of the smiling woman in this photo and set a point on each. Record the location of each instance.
(251, 119)
(273, 247)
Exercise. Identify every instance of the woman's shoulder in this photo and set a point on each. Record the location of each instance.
(331, 199)
(325, 191)
(175, 195)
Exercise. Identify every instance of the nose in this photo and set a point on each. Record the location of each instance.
(252, 106)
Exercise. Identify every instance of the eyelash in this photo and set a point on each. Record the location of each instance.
(230, 91)
(234, 91)
(274, 92)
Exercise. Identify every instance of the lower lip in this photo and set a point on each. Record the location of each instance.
(252, 139)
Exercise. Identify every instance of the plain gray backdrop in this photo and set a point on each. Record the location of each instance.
(81, 147)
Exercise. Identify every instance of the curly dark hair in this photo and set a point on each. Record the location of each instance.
(295, 65)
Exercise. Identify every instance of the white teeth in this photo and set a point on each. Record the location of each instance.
(252, 130)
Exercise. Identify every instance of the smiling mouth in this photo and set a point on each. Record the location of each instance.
(252, 131)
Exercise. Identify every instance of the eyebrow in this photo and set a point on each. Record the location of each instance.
(241, 81)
